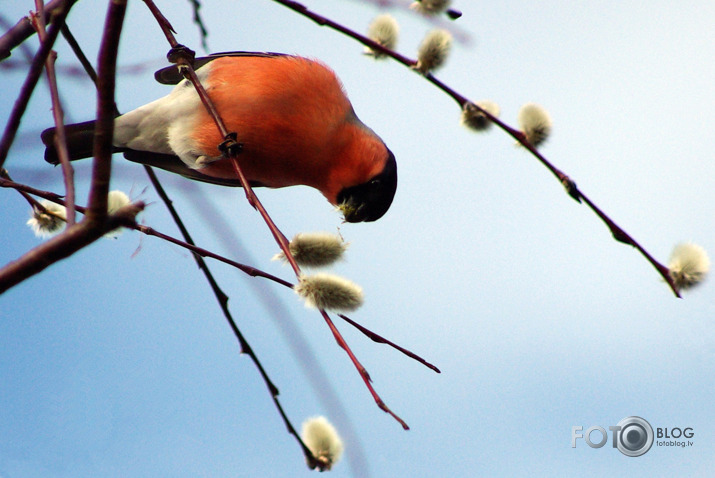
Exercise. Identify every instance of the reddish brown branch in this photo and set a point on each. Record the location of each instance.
(363, 372)
(183, 57)
(38, 23)
(60, 13)
(70, 241)
(23, 29)
(104, 126)
(382, 340)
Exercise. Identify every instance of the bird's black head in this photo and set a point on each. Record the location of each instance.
(370, 201)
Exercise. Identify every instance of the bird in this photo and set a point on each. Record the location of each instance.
(293, 121)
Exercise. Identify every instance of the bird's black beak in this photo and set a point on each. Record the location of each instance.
(370, 201)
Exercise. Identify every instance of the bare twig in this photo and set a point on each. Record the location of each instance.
(58, 114)
(222, 299)
(183, 57)
(38, 62)
(382, 340)
(363, 372)
(196, 6)
(83, 60)
(23, 30)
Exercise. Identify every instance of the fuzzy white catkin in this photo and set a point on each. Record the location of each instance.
(535, 123)
(474, 119)
(383, 30)
(430, 7)
(689, 265)
(45, 225)
(315, 249)
(322, 440)
(329, 292)
(433, 51)
(115, 201)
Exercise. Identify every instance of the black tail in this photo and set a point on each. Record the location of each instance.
(80, 139)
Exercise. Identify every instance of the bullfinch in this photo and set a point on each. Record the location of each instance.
(292, 118)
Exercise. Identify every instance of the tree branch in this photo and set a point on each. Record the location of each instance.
(58, 114)
(33, 75)
(618, 233)
(104, 126)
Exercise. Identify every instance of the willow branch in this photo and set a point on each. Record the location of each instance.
(198, 252)
(382, 340)
(33, 75)
(363, 372)
(618, 233)
(23, 29)
(60, 247)
(58, 114)
(104, 126)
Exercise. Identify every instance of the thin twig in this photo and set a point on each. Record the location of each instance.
(33, 75)
(23, 30)
(363, 372)
(57, 113)
(382, 340)
(83, 60)
(196, 6)
(222, 299)
(183, 57)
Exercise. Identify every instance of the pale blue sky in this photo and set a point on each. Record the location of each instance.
(117, 362)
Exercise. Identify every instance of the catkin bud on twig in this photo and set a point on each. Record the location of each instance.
(433, 51)
(49, 222)
(535, 123)
(383, 30)
(474, 118)
(689, 265)
(430, 7)
(329, 292)
(115, 201)
(322, 440)
(315, 249)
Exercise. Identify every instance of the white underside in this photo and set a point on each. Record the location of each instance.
(165, 125)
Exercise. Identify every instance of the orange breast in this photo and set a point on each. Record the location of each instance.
(289, 113)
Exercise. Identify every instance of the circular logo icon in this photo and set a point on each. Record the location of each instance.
(635, 436)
